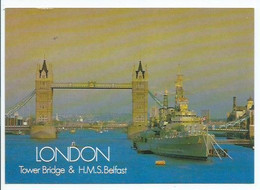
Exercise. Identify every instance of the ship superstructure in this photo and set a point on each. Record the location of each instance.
(180, 114)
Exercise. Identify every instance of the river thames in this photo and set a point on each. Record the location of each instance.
(141, 168)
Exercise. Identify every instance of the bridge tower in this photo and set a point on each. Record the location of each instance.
(44, 93)
(139, 100)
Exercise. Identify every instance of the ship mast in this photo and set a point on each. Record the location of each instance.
(181, 103)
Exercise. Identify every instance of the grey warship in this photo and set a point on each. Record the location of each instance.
(175, 131)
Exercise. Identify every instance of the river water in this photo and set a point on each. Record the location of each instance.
(141, 168)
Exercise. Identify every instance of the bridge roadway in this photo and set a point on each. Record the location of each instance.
(234, 141)
(229, 130)
(16, 128)
(91, 85)
(70, 125)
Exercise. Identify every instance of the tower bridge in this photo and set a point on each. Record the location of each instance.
(45, 86)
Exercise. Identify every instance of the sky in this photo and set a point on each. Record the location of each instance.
(214, 47)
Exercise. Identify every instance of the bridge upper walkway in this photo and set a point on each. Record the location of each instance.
(91, 85)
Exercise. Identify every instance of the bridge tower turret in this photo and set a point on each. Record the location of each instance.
(44, 93)
(139, 100)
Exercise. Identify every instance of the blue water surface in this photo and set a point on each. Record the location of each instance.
(141, 168)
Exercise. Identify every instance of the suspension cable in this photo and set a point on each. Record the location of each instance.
(20, 104)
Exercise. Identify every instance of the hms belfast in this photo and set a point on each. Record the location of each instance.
(175, 131)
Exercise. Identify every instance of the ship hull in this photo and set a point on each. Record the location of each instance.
(191, 147)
